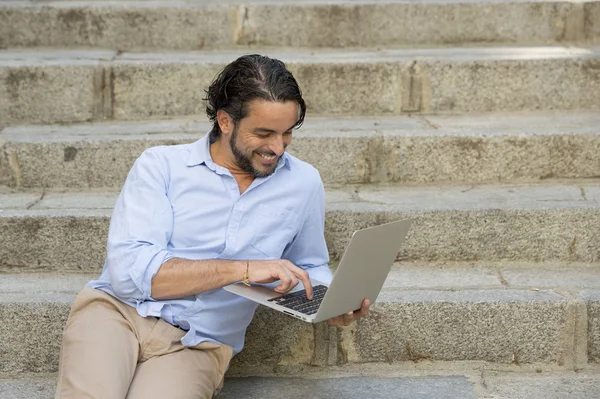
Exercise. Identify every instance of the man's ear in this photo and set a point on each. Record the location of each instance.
(225, 122)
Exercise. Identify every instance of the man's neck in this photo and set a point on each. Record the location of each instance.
(221, 154)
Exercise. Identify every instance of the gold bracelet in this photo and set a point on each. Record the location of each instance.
(246, 279)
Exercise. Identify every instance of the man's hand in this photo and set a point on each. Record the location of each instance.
(348, 318)
(269, 271)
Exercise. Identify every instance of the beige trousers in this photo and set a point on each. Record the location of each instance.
(109, 351)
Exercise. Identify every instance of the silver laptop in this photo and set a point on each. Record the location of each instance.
(361, 273)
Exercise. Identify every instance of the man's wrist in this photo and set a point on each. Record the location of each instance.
(246, 278)
(239, 270)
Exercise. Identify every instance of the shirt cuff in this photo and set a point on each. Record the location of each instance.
(321, 273)
(145, 268)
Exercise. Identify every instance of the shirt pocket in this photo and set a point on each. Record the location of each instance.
(274, 229)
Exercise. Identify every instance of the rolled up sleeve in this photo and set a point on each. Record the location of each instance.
(308, 250)
(140, 229)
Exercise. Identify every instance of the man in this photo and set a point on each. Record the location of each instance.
(191, 219)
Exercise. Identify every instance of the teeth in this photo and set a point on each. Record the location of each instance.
(267, 157)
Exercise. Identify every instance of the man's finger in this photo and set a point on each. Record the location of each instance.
(304, 277)
(348, 318)
(364, 310)
(337, 321)
(287, 280)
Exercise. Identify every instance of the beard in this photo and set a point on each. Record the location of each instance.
(243, 161)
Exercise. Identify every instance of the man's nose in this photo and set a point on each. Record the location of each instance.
(276, 145)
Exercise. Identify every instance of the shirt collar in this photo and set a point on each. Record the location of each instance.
(200, 154)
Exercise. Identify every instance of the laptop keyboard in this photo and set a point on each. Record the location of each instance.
(297, 300)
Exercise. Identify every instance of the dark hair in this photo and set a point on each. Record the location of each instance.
(248, 78)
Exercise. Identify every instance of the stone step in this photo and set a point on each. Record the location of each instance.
(538, 223)
(379, 382)
(404, 276)
(452, 387)
(186, 25)
(51, 86)
(486, 321)
(474, 149)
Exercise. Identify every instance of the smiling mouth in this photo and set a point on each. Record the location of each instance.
(267, 157)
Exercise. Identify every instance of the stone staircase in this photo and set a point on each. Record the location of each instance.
(479, 118)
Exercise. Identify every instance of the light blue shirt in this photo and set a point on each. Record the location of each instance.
(177, 203)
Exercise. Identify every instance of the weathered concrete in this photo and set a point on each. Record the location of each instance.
(435, 149)
(359, 88)
(84, 156)
(385, 82)
(257, 387)
(592, 21)
(38, 387)
(19, 201)
(477, 235)
(426, 277)
(479, 159)
(514, 384)
(377, 83)
(521, 223)
(484, 148)
(31, 329)
(510, 85)
(406, 23)
(277, 339)
(586, 278)
(497, 325)
(593, 300)
(404, 276)
(168, 87)
(40, 90)
(124, 26)
(357, 387)
(550, 387)
(45, 283)
(72, 240)
(226, 24)
(173, 84)
(525, 222)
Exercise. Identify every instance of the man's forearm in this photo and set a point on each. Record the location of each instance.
(178, 277)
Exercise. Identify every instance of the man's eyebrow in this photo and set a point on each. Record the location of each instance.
(267, 130)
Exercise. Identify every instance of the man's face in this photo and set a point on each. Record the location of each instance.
(260, 139)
